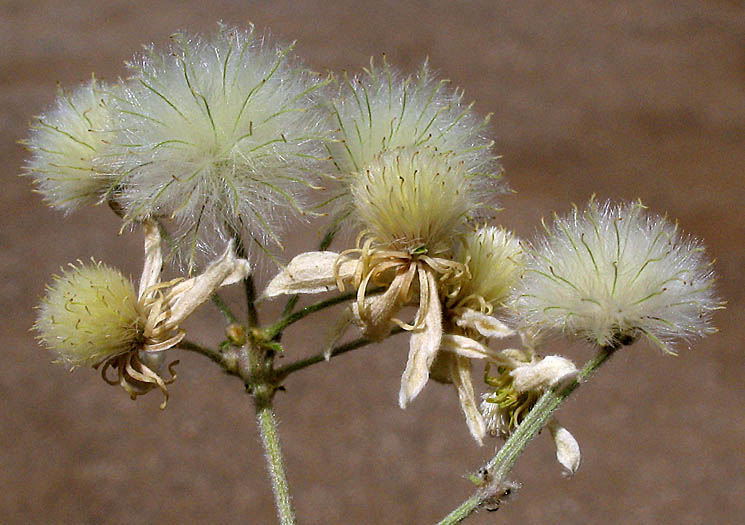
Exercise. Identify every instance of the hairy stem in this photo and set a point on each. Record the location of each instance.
(289, 368)
(275, 464)
(224, 308)
(214, 355)
(495, 471)
(277, 328)
(252, 316)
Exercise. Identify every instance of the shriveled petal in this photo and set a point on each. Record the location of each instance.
(460, 373)
(310, 272)
(376, 319)
(467, 347)
(514, 357)
(567, 448)
(424, 343)
(486, 325)
(153, 257)
(228, 269)
(544, 373)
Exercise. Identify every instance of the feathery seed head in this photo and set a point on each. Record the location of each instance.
(221, 135)
(495, 259)
(411, 199)
(613, 273)
(90, 313)
(66, 144)
(383, 111)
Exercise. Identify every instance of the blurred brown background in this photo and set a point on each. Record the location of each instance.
(624, 99)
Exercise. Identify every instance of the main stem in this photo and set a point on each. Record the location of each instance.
(270, 440)
(495, 472)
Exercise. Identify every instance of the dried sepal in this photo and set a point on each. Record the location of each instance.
(567, 448)
(486, 325)
(311, 272)
(543, 374)
(460, 375)
(424, 343)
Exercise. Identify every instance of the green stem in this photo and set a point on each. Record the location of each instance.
(270, 440)
(224, 308)
(283, 371)
(495, 471)
(199, 349)
(289, 306)
(274, 330)
(252, 316)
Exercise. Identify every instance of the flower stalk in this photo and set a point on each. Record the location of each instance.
(274, 330)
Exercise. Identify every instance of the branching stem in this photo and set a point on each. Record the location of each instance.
(289, 368)
(273, 331)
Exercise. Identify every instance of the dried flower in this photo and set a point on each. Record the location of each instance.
(66, 145)
(415, 170)
(522, 378)
(92, 316)
(613, 273)
(221, 136)
(493, 259)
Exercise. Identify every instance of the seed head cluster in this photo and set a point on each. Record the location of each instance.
(495, 259)
(220, 140)
(391, 126)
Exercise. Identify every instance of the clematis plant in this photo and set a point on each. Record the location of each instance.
(213, 145)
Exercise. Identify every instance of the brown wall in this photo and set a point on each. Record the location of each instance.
(624, 99)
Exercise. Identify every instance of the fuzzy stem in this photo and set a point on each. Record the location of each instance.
(224, 308)
(252, 316)
(214, 355)
(274, 330)
(286, 370)
(270, 440)
(495, 471)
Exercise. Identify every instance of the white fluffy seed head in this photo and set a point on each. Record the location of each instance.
(382, 111)
(411, 199)
(221, 135)
(613, 273)
(66, 144)
(89, 314)
(495, 260)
